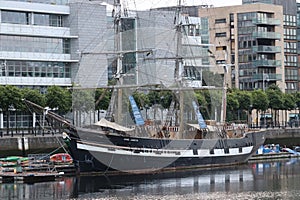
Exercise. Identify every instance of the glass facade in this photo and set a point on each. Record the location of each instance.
(34, 44)
(35, 69)
(18, 120)
(57, 2)
(258, 1)
(199, 31)
(18, 44)
(30, 18)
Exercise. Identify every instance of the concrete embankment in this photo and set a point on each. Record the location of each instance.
(283, 136)
(22, 146)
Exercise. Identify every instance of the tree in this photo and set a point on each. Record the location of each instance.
(58, 98)
(34, 96)
(142, 100)
(11, 100)
(260, 102)
(245, 101)
(275, 98)
(102, 97)
(162, 97)
(289, 103)
(297, 100)
(231, 106)
(203, 104)
(83, 100)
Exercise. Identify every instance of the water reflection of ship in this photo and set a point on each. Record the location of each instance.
(218, 180)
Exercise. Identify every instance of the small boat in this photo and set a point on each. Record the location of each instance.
(61, 158)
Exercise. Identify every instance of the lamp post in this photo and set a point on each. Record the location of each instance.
(250, 116)
(265, 79)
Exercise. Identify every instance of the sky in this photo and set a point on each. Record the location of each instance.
(146, 4)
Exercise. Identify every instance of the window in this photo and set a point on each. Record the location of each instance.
(36, 69)
(220, 62)
(290, 60)
(39, 19)
(289, 20)
(66, 46)
(221, 48)
(14, 17)
(34, 44)
(57, 2)
(290, 34)
(219, 21)
(222, 34)
(290, 47)
(291, 74)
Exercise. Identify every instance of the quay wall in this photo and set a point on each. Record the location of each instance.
(19, 145)
(284, 137)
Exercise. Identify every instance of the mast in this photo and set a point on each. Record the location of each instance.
(224, 97)
(117, 29)
(179, 68)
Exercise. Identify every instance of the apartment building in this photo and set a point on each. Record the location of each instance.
(291, 71)
(260, 37)
(249, 39)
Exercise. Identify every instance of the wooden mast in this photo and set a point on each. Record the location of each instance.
(117, 28)
(179, 69)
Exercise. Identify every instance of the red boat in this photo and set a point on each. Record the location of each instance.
(61, 158)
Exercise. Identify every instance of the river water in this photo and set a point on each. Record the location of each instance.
(270, 180)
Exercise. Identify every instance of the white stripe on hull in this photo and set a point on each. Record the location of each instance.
(167, 153)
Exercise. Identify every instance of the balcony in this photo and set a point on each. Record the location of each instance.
(266, 35)
(267, 21)
(268, 77)
(266, 49)
(267, 63)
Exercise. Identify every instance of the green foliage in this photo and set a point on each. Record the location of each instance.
(275, 97)
(204, 101)
(244, 98)
(102, 97)
(297, 99)
(83, 100)
(11, 97)
(232, 106)
(142, 100)
(34, 96)
(58, 98)
(289, 102)
(160, 97)
(260, 100)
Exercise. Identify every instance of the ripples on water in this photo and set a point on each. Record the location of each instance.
(278, 180)
(291, 195)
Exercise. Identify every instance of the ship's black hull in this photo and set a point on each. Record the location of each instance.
(96, 152)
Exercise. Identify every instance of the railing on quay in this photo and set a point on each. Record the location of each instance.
(31, 131)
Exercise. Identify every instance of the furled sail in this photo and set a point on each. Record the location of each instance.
(136, 112)
(201, 121)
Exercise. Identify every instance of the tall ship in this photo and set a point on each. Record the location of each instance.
(172, 133)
